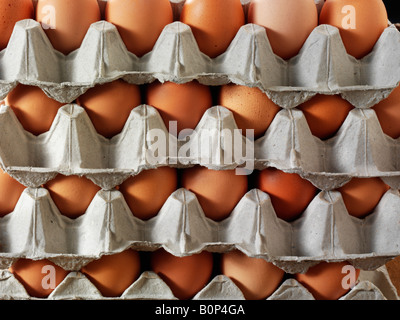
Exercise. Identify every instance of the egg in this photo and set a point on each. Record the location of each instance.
(66, 23)
(39, 277)
(255, 277)
(214, 24)
(185, 276)
(290, 194)
(139, 22)
(13, 11)
(360, 23)
(329, 280)
(10, 192)
(112, 274)
(184, 103)
(33, 108)
(71, 194)
(288, 23)
(109, 105)
(146, 193)
(362, 195)
(251, 108)
(388, 113)
(325, 114)
(218, 191)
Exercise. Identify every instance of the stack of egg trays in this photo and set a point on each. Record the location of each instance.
(325, 231)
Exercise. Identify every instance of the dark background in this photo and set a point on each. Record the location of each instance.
(393, 9)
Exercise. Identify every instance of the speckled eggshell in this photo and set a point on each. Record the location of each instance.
(251, 108)
(214, 23)
(13, 11)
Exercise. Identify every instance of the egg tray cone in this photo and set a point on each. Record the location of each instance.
(325, 231)
(72, 146)
(374, 285)
(322, 65)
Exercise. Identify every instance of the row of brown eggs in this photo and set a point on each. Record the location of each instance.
(214, 23)
(186, 276)
(109, 106)
(218, 192)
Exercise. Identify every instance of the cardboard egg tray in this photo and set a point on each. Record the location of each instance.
(325, 232)
(359, 149)
(373, 285)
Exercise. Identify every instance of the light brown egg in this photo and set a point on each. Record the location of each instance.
(33, 108)
(39, 277)
(325, 114)
(255, 277)
(362, 195)
(329, 280)
(147, 192)
(66, 22)
(360, 23)
(290, 194)
(72, 194)
(13, 11)
(184, 103)
(185, 276)
(10, 192)
(113, 274)
(388, 113)
(109, 105)
(288, 23)
(214, 23)
(218, 192)
(139, 22)
(251, 108)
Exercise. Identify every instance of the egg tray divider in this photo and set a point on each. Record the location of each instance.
(73, 147)
(325, 231)
(149, 286)
(322, 66)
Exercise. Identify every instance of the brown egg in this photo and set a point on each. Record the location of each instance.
(33, 108)
(290, 194)
(360, 23)
(13, 11)
(40, 277)
(362, 195)
(329, 280)
(67, 22)
(388, 113)
(185, 276)
(251, 108)
(10, 192)
(139, 22)
(72, 194)
(184, 103)
(109, 105)
(255, 277)
(288, 23)
(147, 192)
(325, 114)
(218, 192)
(214, 23)
(113, 274)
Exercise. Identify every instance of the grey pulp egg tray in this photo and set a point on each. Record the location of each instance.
(374, 285)
(72, 146)
(324, 232)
